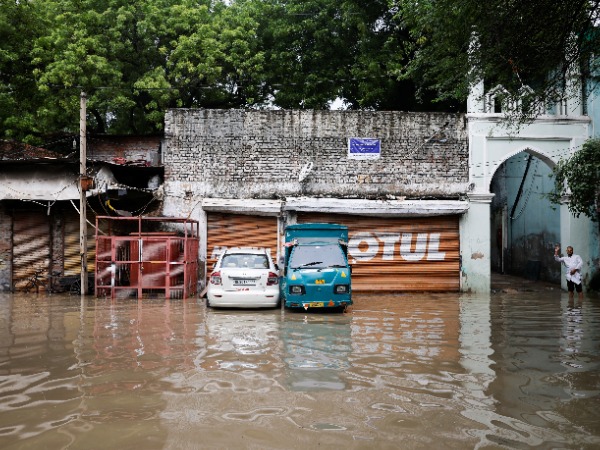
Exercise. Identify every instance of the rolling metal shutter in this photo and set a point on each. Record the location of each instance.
(72, 256)
(239, 230)
(420, 254)
(31, 247)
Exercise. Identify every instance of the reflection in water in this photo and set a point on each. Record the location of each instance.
(241, 340)
(411, 371)
(315, 350)
(548, 352)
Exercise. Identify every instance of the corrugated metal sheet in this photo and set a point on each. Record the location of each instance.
(408, 254)
(31, 248)
(239, 230)
(72, 256)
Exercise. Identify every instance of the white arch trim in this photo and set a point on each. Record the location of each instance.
(529, 149)
(490, 144)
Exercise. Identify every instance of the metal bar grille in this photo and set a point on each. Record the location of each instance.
(146, 264)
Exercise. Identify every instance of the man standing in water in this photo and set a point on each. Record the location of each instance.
(573, 264)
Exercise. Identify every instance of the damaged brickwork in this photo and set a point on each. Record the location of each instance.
(273, 154)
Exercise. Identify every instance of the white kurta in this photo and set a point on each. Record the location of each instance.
(571, 262)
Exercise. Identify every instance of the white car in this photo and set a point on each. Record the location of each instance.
(244, 277)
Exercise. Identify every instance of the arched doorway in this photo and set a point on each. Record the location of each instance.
(524, 224)
(556, 133)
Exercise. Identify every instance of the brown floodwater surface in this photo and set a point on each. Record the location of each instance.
(513, 370)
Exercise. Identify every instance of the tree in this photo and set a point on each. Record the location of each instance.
(579, 176)
(541, 44)
(115, 51)
(219, 62)
(135, 59)
(314, 49)
(19, 27)
(317, 51)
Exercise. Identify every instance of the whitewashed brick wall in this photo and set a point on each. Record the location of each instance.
(260, 154)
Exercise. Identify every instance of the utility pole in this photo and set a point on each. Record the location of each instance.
(82, 197)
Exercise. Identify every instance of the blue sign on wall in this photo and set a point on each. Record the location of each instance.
(364, 148)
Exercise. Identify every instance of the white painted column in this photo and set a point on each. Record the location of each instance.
(475, 245)
(476, 99)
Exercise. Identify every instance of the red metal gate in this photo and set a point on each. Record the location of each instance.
(137, 258)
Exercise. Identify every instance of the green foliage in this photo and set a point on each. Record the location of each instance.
(19, 27)
(136, 58)
(317, 51)
(116, 52)
(219, 62)
(133, 59)
(579, 177)
(536, 43)
(440, 32)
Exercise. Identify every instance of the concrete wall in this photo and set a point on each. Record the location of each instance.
(278, 155)
(593, 109)
(264, 154)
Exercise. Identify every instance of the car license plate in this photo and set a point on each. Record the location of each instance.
(316, 304)
(244, 282)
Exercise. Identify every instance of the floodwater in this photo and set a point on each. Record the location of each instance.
(421, 371)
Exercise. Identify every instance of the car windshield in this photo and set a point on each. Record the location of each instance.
(245, 261)
(317, 256)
